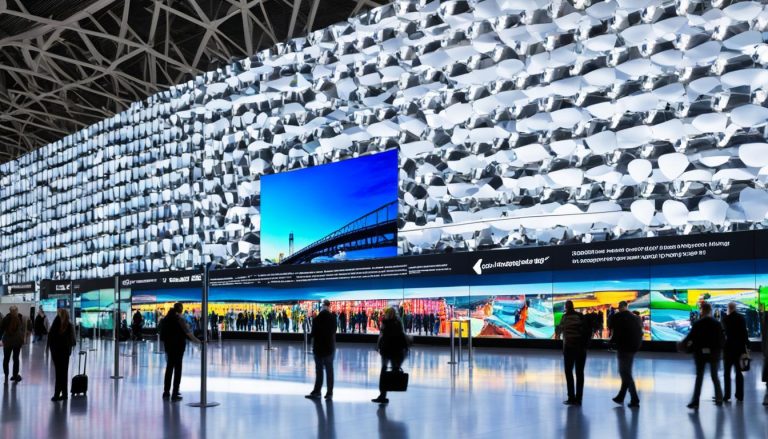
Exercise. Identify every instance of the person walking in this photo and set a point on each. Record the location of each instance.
(137, 324)
(323, 348)
(14, 330)
(627, 336)
(575, 330)
(393, 348)
(61, 339)
(736, 342)
(705, 341)
(174, 332)
(41, 328)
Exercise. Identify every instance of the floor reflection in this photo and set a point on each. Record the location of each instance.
(326, 424)
(389, 429)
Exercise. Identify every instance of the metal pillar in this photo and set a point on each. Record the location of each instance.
(306, 337)
(116, 327)
(204, 403)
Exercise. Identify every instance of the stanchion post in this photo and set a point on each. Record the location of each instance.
(204, 403)
(453, 345)
(116, 326)
(461, 334)
(469, 342)
(306, 337)
(269, 336)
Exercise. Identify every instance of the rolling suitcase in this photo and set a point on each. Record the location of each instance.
(80, 381)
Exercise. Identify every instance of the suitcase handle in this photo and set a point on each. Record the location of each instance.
(79, 361)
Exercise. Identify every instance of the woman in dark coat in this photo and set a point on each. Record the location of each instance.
(393, 347)
(61, 339)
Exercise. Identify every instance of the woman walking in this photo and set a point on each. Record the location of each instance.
(393, 348)
(61, 339)
(13, 330)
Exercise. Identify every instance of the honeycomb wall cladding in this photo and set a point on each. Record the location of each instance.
(519, 122)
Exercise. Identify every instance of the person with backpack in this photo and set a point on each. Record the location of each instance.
(174, 333)
(393, 348)
(13, 328)
(575, 331)
(626, 336)
(705, 341)
(61, 339)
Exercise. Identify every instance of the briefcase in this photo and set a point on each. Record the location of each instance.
(394, 381)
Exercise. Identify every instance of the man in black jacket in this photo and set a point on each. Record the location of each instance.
(174, 333)
(575, 331)
(736, 340)
(706, 342)
(323, 347)
(627, 336)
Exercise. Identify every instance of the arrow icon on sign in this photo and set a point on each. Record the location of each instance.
(478, 266)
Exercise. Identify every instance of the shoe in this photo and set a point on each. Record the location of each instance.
(328, 396)
(724, 400)
(634, 404)
(56, 398)
(569, 402)
(313, 395)
(765, 399)
(166, 395)
(176, 398)
(16, 378)
(617, 400)
(718, 402)
(380, 400)
(693, 406)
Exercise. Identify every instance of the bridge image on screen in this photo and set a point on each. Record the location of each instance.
(345, 210)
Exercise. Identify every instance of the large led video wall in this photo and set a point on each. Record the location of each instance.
(517, 123)
(514, 294)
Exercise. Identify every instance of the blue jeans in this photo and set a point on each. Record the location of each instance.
(323, 363)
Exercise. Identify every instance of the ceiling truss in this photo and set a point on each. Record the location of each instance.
(65, 64)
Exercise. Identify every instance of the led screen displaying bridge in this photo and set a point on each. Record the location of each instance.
(375, 229)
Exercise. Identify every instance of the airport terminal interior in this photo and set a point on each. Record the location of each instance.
(242, 194)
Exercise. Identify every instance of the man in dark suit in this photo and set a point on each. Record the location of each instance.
(174, 333)
(627, 336)
(324, 347)
(736, 341)
(706, 342)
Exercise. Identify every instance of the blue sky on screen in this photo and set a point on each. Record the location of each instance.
(316, 201)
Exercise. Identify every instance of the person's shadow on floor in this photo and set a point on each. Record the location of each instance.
(11, 412)
(326, 424)
(390, 429)
(626, 429)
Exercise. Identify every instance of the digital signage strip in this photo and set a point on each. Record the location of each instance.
(605, 254)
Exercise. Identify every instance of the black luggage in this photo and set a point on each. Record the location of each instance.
(80, 381)
(394, 381)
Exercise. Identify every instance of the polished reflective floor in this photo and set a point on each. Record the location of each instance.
(509, 393)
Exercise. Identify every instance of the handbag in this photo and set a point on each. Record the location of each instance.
(745, 361)
(394, 381)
